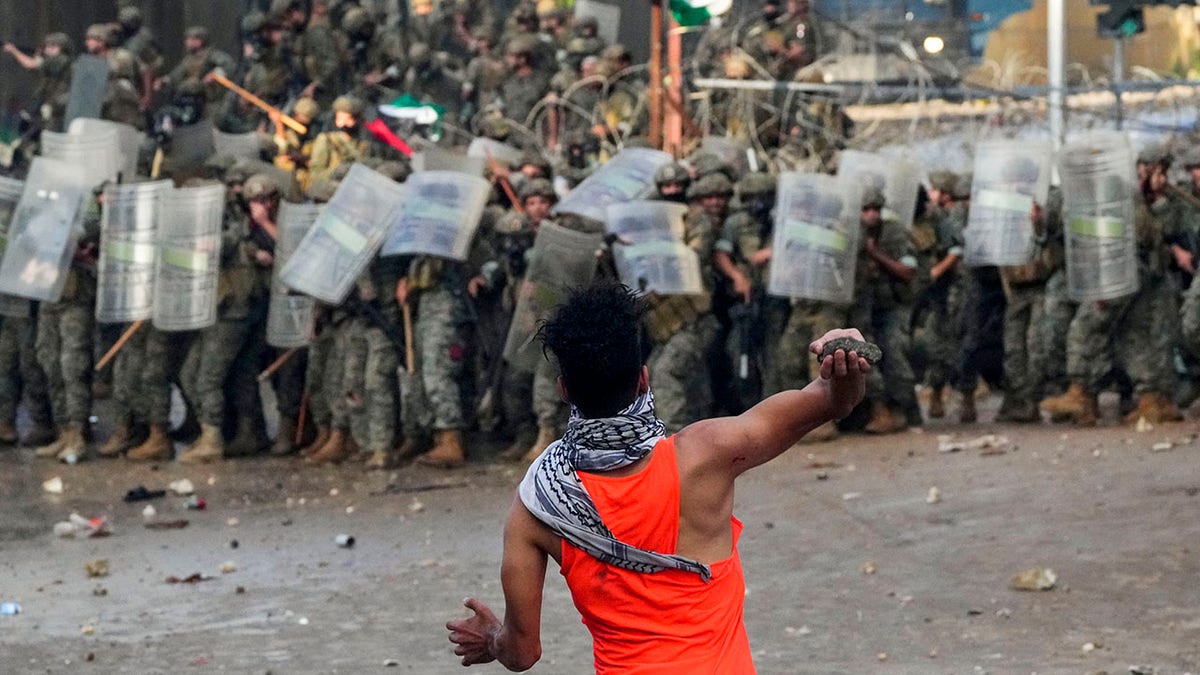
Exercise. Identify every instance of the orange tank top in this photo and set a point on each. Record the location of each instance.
(669, 621)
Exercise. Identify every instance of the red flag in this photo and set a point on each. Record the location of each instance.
(383, 133)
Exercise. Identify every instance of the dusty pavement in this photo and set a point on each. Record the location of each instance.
(853, 573)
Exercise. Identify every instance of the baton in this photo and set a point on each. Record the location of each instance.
(277, 364)
(408, 338)
(508, 188)
(125, 337)
(290, 122)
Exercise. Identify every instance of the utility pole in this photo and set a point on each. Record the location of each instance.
(1118, 77)
(656, 74)
(1056, 64)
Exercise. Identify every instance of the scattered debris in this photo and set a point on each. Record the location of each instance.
(822, 475)
(53, 486)
(986, 442)
(149, 513)
(232, 522)
(850, 496)
(391, 663)
(228, 567)
(182, 487)
(178, 524)
(1162, 446)
(1143, 426)
(393, 489)
(10, 609)
(100, 591)
(87, 630)
(141, 494)
(882, 656)
(240, 590)
(803, 630)
(303, 621)
(190, 579)
(1089, 647)
(78, 526)
(96, 568)
(345, 540)
(1036, 579)
(233, 543)
(934, 496)
(868, 567)
(1143, 670)
(333, 492)
(416, 506)
(195, 504)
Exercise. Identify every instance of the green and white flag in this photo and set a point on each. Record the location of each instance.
(698, 12)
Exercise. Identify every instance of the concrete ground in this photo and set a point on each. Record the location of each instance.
(849, 568)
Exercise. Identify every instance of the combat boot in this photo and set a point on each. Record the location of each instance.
(120, 441)
(937, 407)
(412, 446)
(884, 420)
(285, 440)
(210, 447)
(826, 432)
(336, 449)
(519, 447)
(447, 452)
(52, 448)
(1167, 410)
(41, 434)
(251, 438)
(1019, 413)
(1155, 408)
(382, 459)
(321, 439)
(8, 433)
(967, 414)
(157, 447)
(74, 447)
(1078, 405)
(546, 436)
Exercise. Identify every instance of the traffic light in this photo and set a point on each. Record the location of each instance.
(1121, 20)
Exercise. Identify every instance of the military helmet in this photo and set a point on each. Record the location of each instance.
(348, 104)
(99, 31)
(307, 107)
(322, 190)
(578, 47)
(234, 172)
(614, 52)
(707, 163)
(942, 181)
(60, 40)
(494, 127)
(1155, 154)
(197, 33)
(482, 33)
(712, 185)
(122, 64)
(962, 186)
(673, 173)
(1191, 158)
(756, 184)
(260, 186)
(129, 15)
(538, 187)
(521, 44)
(253, 23)
(355, 20)
(397, 171)
(534, 158)
(587, 22)
(872, 196)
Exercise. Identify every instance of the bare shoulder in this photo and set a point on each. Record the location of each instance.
(523, 529)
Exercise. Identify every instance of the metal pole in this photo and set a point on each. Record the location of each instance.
(1056, 64)
(1118, 77)
(656, 74)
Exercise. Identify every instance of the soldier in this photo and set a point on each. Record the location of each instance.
(939, 236)
(346, 142)
(139, 41)
(321, 51)
(883, 296)
(1137, 332)
(294, 150)
(525, 86)
(484, 77)
(121, 100)
(64, 345)
(199, 59)
(269, 74)
(587, 30)
(22, 377)
(671, 183)
(53, 66)
(430, 77)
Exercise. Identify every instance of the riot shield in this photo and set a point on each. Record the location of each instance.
(44, 230)
(897, 174)
(237, 145)
(662, 267)
(189, 147)
(503, 153)
(129, 141)
(439, 215)
(561, 258)
(815, 247)
(733, 151)
(97, 154)
(623, 178)
(433, 158)
(1098, 189)
(10, 195)
(1009, 177)
(607, 16)
(189, 259)
(290, 315)
(345, 237)
(129, 250)
(89, 86)
(638, 222)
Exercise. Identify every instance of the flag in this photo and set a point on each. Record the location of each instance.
(698, 12)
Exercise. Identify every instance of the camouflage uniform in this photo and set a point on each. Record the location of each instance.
(522, 92)
(194, 66)
(338, 146)
(21, 376)
(54, 82)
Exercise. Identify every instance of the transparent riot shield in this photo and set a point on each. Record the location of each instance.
(607, 16)
(44, 230)
(189, 259)
(503, 153)
(433, 158)
(735, 152)
(641, 221)
(89, 85)
(290, 315)
(439, 215)
(129, 250)
(1009, 177)
(237, 145)
(129, 141)
(896, 173)
(815, 247)
(561, 258)
(623, 178)
(98, 154)
(10, 195)
(1098, 189)
(345, 237)
(662, 267)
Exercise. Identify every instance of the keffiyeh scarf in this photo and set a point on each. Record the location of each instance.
(553, 492)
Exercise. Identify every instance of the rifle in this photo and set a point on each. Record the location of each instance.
(270, 109)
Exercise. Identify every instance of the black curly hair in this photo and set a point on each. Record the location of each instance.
(596, 340)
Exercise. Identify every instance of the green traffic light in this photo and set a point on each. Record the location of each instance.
(1128, 28)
